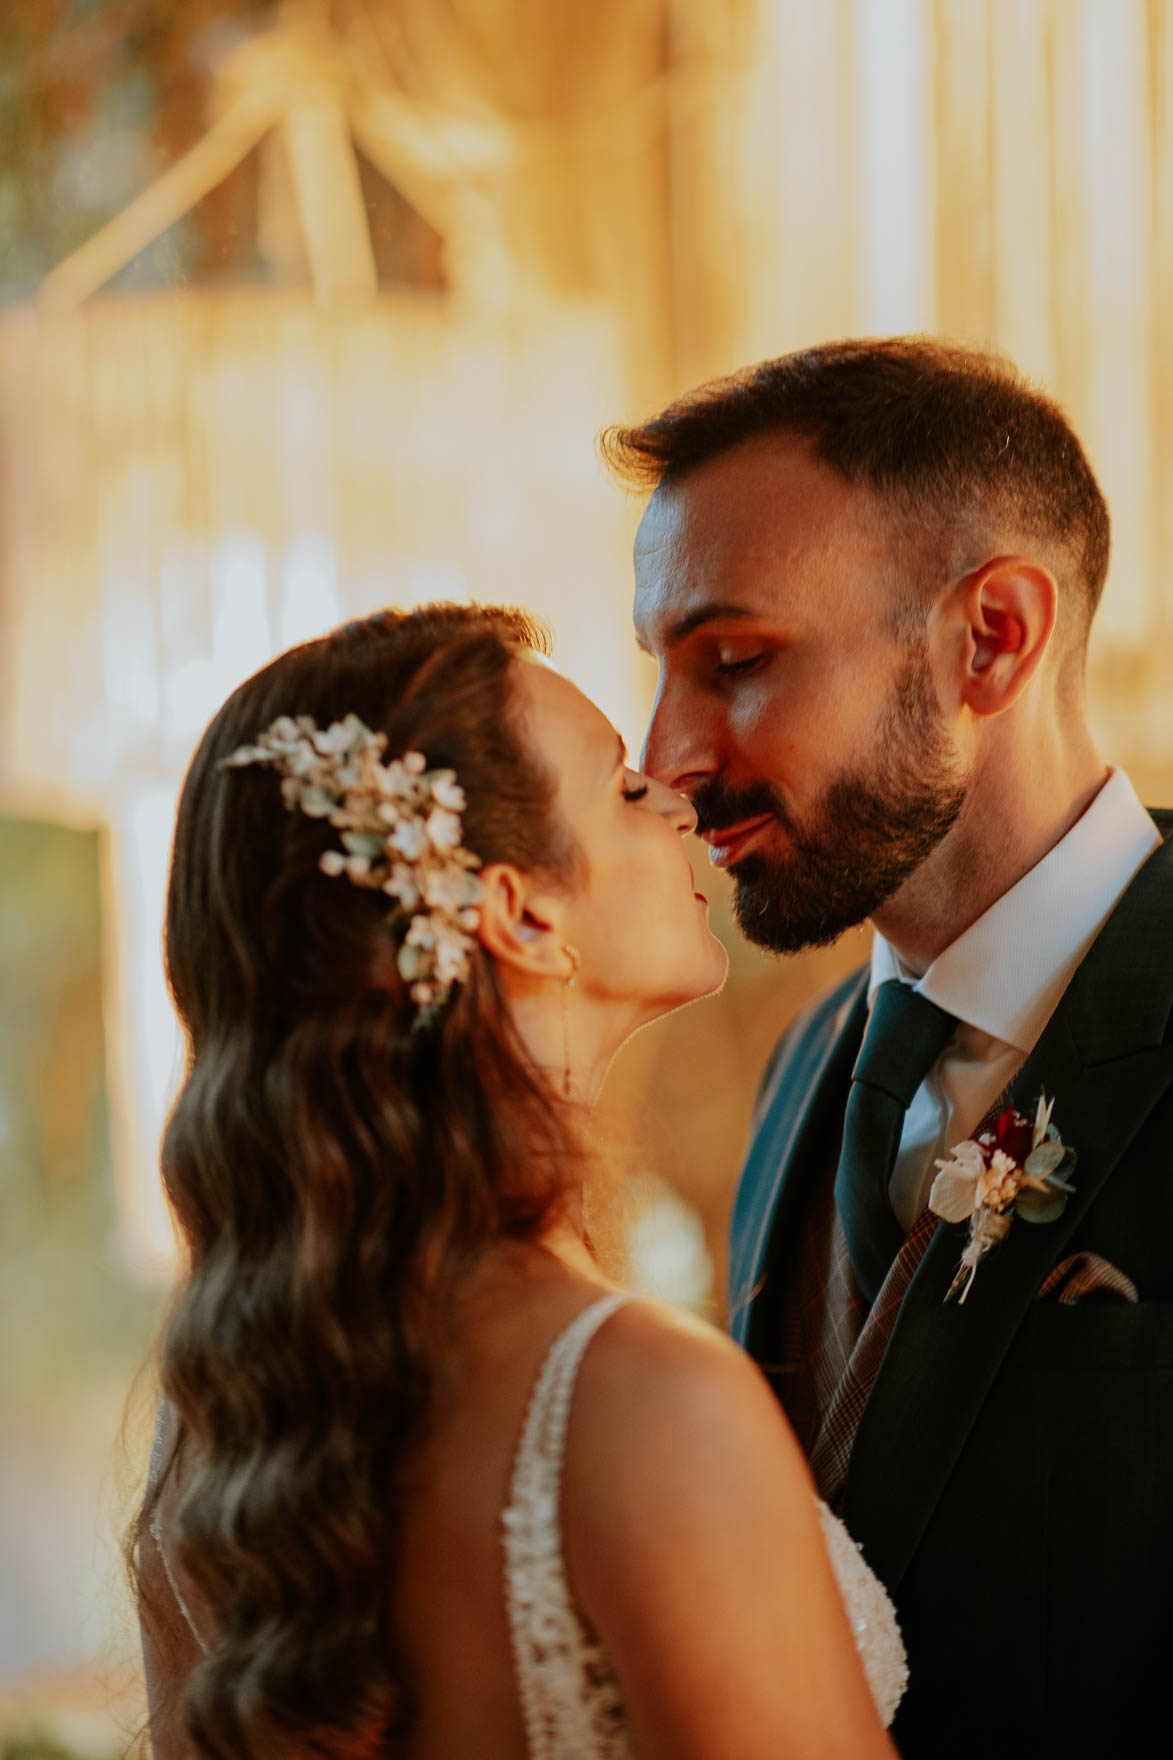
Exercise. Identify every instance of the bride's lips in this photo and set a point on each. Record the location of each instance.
(727, 842)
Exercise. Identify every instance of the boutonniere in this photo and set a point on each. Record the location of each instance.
(1015, 1169)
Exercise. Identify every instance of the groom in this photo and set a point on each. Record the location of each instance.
(867, 572)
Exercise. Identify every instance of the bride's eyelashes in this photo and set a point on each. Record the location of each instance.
(634, 793)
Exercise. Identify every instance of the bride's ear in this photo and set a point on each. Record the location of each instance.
(521, 925)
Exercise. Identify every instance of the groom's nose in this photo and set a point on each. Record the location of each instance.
(679, 747)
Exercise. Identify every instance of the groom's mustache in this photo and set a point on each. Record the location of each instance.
(718, 806)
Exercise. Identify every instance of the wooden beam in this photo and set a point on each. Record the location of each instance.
(167, 200)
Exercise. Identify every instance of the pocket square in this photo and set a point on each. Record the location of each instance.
(1087, 1277)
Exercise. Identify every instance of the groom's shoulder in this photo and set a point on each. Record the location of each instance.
(1136, 938)
(809, 1035)
(826, 1014)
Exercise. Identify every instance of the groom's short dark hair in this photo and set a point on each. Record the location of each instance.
(951, 436)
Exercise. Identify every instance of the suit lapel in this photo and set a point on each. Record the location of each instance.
(802, 1105)
(1104, 1060)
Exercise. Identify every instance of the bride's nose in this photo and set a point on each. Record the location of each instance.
(676, 808)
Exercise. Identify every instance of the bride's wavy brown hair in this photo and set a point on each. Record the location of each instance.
(332, 1172)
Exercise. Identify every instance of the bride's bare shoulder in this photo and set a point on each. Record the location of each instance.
(650, 1347)
(659, 1384)
(691, 1533)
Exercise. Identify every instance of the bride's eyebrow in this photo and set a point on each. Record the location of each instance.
(620, 753)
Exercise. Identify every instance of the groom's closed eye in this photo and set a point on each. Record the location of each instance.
(734, 656)
(733, 668)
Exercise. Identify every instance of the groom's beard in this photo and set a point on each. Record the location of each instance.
(868, 832)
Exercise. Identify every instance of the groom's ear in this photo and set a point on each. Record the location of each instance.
(521, 925)
(1005, 610)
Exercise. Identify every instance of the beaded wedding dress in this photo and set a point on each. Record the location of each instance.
(569, 1695)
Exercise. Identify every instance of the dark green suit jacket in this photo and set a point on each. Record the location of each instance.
(1012, 1476)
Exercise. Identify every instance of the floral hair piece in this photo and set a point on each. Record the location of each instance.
(400, 831)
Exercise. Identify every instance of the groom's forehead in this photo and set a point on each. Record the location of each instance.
(701, 527)
(731, 546)
(764, 498)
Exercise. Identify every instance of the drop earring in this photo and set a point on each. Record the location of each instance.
(567, 986)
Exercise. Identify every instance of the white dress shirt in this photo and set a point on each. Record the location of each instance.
(1004, 976)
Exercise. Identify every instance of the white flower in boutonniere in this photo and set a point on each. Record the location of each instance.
(1015, 1169)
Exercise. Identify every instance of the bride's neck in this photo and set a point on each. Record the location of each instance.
(508, 1270)
(565, 1240)
(570, 1038)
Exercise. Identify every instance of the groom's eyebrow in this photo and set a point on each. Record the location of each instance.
(712, 611)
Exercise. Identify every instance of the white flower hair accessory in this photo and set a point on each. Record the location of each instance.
(400, 831)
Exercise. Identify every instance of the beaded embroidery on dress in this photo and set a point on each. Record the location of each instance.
(873, 1618)
(570, 1698)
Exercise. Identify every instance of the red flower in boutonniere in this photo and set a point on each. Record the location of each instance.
(1016, 1169)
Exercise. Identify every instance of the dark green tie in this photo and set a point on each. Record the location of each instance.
(906, 1033)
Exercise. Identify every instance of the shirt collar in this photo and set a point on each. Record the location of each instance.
(1006, 972)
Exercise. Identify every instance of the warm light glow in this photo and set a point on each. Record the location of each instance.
(309, 590)
(241, 637)
(143, 1045)
(895, 96)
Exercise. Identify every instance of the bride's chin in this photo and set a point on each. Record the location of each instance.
(711, 979)
(708, 982)
(716, 968)
(721, 971)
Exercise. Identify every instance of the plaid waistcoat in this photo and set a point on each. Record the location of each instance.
(831, 1343)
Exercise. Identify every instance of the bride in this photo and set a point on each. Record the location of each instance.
(425, 1482)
